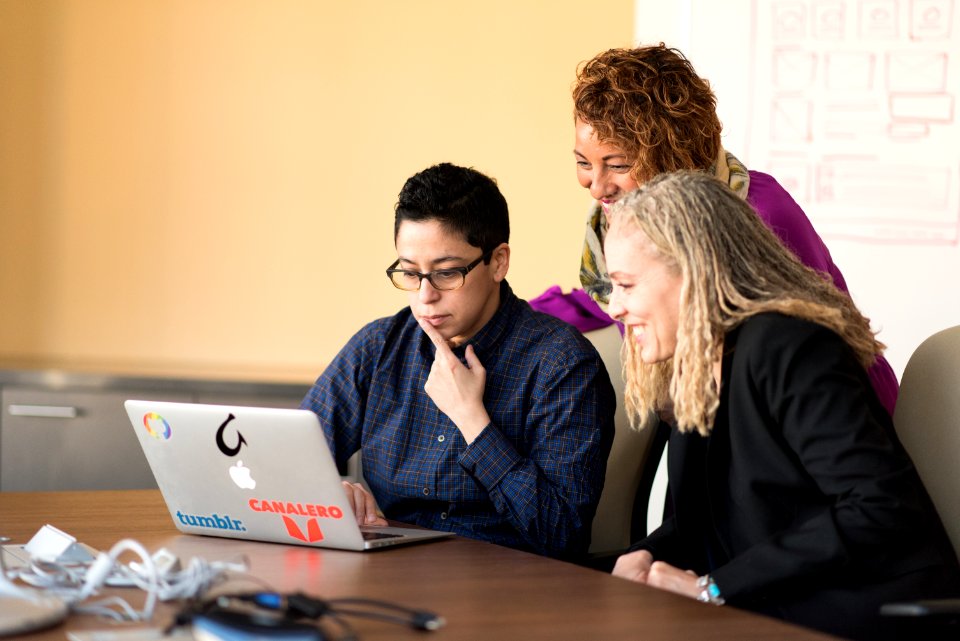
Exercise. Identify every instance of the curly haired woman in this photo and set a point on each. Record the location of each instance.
(644, 111)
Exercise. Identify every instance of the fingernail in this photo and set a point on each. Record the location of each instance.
(371, 518)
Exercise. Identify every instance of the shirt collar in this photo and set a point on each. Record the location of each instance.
(491, 333)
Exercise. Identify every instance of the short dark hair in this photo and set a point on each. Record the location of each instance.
(463, 200)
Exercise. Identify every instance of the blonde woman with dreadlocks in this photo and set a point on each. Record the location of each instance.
(645, 111)
(791, 494)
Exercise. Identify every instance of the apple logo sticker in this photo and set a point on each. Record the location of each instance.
(240, 474)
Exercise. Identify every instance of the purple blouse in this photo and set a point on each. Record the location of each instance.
(781, 213)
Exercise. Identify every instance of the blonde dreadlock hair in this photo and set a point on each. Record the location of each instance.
(732, 268)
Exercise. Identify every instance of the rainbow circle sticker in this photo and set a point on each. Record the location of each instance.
(156, 425)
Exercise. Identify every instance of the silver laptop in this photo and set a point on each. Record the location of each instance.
(253, 473)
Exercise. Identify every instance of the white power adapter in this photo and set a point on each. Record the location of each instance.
(166, 563)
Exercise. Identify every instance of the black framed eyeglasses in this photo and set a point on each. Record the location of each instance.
(443, 280)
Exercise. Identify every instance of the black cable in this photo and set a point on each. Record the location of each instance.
(274, 609)
(349, 634)
(419, 619)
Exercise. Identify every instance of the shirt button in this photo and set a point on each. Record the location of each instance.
(443, 515)
(426, 491)
(441, 438)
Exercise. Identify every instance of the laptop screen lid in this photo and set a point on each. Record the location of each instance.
(252, 473)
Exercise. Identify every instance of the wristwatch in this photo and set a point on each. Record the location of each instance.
(709, 592)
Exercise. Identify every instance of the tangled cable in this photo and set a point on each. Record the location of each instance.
(159, 575)
(296, 616)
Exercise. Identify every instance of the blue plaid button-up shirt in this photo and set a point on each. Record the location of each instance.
(531, 479)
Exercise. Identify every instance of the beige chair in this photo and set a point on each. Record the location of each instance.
(927, 419)
(628, 457)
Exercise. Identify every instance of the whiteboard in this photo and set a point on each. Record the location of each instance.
(852, 106)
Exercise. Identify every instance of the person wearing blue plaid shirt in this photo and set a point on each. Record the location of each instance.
(474, 414)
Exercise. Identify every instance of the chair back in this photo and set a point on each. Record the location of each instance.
(628, 456)
(927, 420)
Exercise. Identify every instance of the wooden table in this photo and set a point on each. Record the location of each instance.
(483, 591)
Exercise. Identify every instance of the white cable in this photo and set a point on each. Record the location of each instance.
(43, 608)
(160, 575)
(45, 574)
(96, 574)
(105, 564)
(111, 607)
(196, 578)
(11, 589)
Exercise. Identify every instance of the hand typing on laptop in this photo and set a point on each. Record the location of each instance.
(363, 504)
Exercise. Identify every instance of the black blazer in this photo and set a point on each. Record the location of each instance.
(802, 503)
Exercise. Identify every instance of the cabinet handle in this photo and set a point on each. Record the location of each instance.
(43, 411)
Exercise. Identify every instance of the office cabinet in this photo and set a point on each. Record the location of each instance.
(69, 440)
(71, 431)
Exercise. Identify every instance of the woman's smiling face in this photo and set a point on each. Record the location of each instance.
(646, 290)
(602, 168)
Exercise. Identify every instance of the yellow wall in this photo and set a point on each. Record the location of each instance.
(190, 184)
